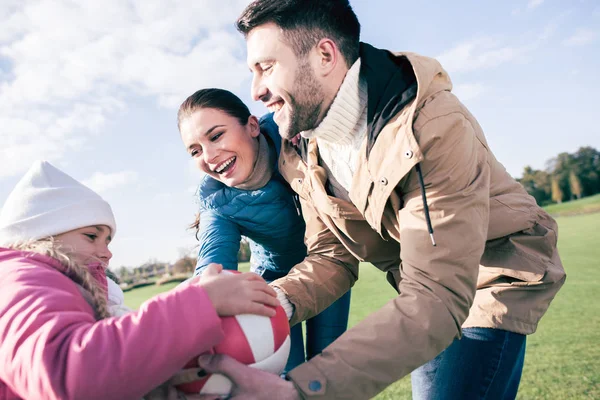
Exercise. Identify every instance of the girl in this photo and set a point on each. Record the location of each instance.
(57, 339)
(242, 194)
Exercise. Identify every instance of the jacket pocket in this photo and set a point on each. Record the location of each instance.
(522, 258)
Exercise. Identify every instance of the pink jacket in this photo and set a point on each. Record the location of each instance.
(51, 347)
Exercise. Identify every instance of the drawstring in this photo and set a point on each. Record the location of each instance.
(425, 206)
(296, 199)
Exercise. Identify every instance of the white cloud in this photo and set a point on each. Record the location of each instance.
(549, 30)
(478, 54)
(66, 68)
(468, 91)
(102, 182)
(30, 134)
(581, 37)
(534, 4)
(531, 5)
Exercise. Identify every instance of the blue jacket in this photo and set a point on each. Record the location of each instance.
(267, 217)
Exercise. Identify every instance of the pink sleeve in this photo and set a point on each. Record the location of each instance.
(51, 347)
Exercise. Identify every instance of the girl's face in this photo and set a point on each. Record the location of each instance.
(87, 245)
(220, 145)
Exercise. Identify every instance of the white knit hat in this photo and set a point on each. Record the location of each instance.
(48, 202)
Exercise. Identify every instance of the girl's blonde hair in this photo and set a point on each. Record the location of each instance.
(77, 273)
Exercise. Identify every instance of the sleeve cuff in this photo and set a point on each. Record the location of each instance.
(288, 307)
(309, 381)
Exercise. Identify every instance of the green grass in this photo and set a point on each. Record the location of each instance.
(563, 356)
(134, 298)
(586, 205)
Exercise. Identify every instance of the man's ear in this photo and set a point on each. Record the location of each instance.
(327, 56)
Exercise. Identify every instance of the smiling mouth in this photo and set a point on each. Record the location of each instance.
(275, 106)
(225, 166)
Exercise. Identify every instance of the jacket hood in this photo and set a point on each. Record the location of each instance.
(97, 270)
(7, 254)
(394, 80)
(391, 85)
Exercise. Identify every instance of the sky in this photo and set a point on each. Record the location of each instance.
(94, 87)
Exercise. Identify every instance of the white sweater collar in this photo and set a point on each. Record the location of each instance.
(340, 124)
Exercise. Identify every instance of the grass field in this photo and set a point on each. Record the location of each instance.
(586, 205)
(563, 356)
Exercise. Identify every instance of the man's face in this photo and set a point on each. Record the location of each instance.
(286, 84)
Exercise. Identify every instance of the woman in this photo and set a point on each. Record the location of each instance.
(242, 194)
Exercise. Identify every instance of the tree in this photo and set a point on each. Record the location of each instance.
(537, 184)
(574, 185)
(586, 162)
(184, 265)
(557, 193)
(560, 168)
(244, 252)
(123, 273)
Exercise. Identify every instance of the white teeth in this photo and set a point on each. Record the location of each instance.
(275, 107)
(224, 165)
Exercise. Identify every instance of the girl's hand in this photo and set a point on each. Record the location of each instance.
(233, 294)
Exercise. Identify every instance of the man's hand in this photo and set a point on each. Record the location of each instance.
(249, 383)
(167, 390)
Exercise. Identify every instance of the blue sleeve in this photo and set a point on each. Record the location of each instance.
(219, 241)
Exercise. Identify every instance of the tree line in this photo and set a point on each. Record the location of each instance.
(567, 176)
(184, 266)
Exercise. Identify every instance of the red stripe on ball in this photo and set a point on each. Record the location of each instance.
(281, 327)
(235, 343)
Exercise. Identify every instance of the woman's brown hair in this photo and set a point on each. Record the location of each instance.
(218, 99)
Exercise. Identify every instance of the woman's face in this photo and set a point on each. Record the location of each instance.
(87, 245)
(220, 145)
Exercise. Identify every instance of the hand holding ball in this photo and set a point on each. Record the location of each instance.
(257, 341)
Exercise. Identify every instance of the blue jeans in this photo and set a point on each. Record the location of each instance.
(321, 331)
(485, 364)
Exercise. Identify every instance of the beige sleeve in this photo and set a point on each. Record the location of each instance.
(327, 272)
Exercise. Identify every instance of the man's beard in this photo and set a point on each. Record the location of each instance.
(305, 105)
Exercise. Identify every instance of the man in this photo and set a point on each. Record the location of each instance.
(392, 169)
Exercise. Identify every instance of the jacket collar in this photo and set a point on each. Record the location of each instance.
(391, 85)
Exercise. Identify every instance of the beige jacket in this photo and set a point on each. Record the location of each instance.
(495, 262)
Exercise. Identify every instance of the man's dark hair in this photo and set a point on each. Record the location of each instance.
(305, 22)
